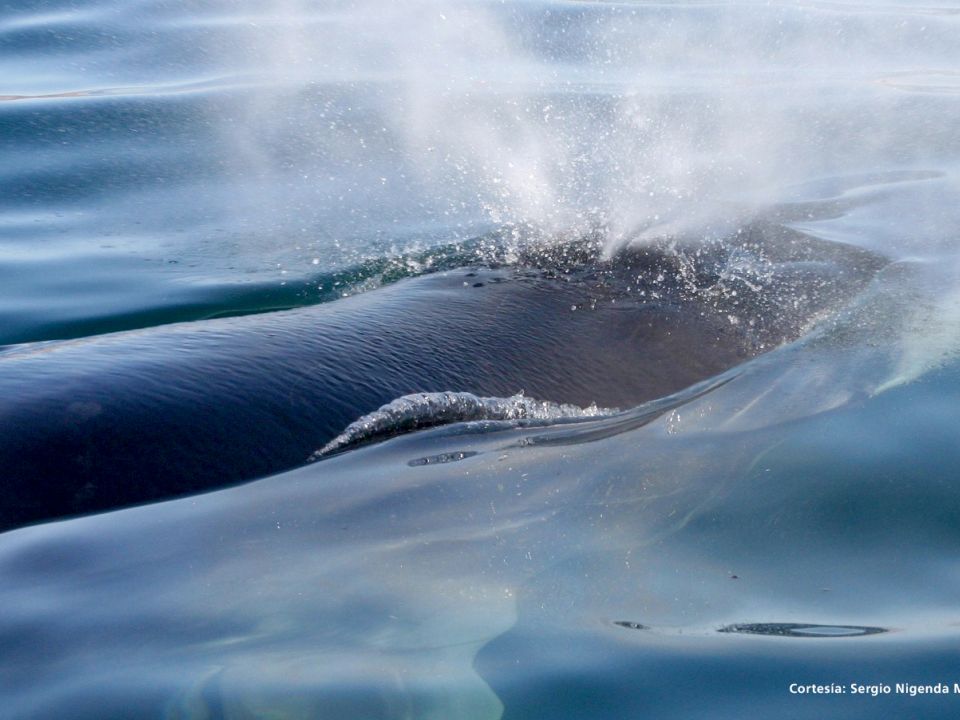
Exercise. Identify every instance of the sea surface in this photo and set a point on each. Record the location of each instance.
(793, 522)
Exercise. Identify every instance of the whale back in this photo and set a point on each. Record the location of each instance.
(132, 417)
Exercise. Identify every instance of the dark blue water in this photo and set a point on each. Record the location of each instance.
(795, 523)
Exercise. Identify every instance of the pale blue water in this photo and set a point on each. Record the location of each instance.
(170, 161)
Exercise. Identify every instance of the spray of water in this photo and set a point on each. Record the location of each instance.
(641, 119)
(376, 126)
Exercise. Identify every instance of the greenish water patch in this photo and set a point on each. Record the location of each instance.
(122, 297)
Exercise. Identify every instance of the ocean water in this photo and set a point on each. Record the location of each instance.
(791, 522)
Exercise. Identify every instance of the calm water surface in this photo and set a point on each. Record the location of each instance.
(797, 524)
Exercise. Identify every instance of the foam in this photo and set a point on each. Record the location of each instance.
(422, 410)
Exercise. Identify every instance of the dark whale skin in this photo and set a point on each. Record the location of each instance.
(132, 417)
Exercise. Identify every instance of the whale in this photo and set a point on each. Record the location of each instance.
(473, 572)
(120, 419)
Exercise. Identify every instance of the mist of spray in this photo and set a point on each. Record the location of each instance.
(642, 120)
